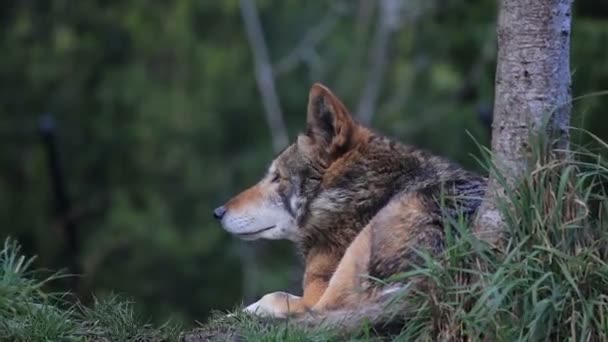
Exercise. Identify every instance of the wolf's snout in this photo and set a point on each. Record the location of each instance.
(219, 212)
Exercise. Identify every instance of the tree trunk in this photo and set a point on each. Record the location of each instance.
(532, 83)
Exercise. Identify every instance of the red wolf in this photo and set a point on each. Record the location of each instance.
(357, 204)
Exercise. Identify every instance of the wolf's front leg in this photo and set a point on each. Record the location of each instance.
(319, 267)
(277, 305)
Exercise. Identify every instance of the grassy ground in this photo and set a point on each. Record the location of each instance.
(27, 313)
(549, 282)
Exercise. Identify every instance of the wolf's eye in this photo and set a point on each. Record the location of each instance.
(276, 177)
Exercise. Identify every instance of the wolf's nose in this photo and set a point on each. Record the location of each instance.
(219, 212)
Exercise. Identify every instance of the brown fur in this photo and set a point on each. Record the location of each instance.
(364, 205)
(244, 197)
(347, 285)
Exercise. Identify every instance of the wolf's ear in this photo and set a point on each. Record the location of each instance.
(328, 122)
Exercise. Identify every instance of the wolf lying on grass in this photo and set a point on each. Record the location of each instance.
(357, 204)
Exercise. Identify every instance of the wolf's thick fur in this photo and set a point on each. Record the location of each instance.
(356, 203)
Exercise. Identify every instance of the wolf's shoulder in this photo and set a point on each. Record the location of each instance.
(418, 164)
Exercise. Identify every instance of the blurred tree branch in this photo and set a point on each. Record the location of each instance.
(348, 79)
(392, 14)
(264, 74)
(305, 50)
(467, 92)
(389, 21)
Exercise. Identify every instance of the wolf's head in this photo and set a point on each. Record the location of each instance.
(275, 207)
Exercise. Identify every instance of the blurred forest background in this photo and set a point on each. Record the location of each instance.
(124, 123)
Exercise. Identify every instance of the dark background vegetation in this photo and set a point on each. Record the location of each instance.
(158, 119)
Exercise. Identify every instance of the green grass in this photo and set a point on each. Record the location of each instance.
(549, 282)
(27, 313)
(249, 328)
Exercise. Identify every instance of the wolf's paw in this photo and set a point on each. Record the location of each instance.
(274, 305)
